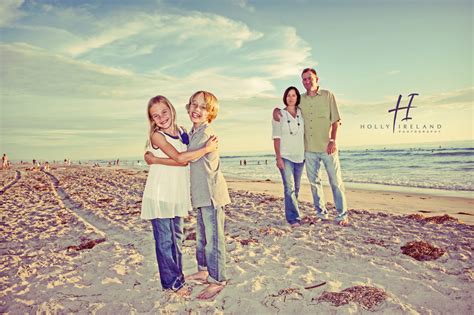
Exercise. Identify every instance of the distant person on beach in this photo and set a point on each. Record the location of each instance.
(166, 198)
(320, 112)
(288, 142)
(209, 196)
(5, 162)
(46, 167)
(36, 165)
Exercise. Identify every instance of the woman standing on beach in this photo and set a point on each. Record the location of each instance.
(288, 142)
(209, 196)
(166, 198)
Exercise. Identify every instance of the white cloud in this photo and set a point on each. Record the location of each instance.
(284, 53)
(137, 31)
(9, 11)
(108, 36)
(228, 87)
(175, 43)
(459, 99)
(210, 28)
(244, 5)
(32, 70)
(33, 52)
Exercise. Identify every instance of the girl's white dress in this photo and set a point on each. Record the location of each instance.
(167, 188)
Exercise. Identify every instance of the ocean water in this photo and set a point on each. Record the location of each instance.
(444, 167)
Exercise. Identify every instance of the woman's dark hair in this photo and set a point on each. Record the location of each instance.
(298, 96)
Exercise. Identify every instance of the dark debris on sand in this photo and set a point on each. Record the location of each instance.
(246, 242)
(293, 293)
(367, 297)
(376, 242)
(86, 244)
(440, 219)
(422, 251)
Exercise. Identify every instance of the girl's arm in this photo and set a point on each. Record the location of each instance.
(158, 140)
(151, 159)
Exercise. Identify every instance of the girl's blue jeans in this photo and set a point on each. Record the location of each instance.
(169, 235)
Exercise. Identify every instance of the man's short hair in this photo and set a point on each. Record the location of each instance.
(309, 70)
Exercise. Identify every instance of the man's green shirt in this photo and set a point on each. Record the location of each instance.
(319, 112)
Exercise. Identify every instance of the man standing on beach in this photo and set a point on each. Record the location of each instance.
(321, 117)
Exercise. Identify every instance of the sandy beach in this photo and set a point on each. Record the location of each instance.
(375, 200)
(73, 242)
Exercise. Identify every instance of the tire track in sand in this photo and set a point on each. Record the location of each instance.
(10, 184)
(101, 225)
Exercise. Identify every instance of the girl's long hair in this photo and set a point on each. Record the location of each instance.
(152, 125)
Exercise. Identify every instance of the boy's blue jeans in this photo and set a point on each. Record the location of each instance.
(169, 235)
(291, 176)
(314, 160)
(210, 239)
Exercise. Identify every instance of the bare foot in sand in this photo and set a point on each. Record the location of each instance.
(184, 292)
(200, 276)
(344, 222)
(211, 291)
(295, 225)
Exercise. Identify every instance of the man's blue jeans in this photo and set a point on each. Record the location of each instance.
(333, 168)
(168, 234)
(210, 243)
(291, 176)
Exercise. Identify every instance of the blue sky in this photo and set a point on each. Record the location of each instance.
(76, 75)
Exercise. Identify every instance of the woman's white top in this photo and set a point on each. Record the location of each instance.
(167, 188)
(290, 131)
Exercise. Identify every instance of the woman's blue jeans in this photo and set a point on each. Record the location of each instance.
(291, 176)
(169, 236)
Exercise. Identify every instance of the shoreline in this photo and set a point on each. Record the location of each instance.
(377, 187)
(392, 202)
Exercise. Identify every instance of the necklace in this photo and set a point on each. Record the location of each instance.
(289, 125)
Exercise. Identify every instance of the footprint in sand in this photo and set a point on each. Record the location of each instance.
(298, 234)
(108, 280)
